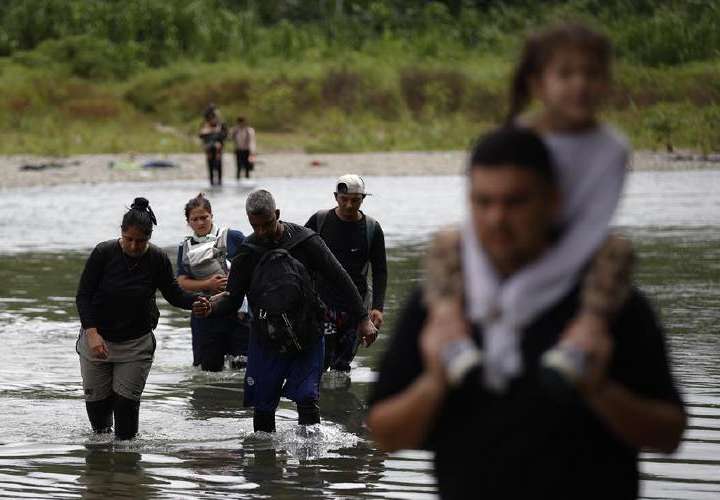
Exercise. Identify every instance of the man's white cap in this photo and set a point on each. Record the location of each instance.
(350, 184)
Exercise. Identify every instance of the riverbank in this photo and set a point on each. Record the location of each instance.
(28, 171)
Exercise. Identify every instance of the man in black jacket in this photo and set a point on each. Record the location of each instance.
(544, 435)
(275, 369)
(358, 242)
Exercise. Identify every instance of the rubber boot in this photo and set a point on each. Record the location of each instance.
(127, 413)
(308, 412)
(264, 421)
(100, 414)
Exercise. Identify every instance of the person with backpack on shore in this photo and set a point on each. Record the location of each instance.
(358, 242)
(275, 267)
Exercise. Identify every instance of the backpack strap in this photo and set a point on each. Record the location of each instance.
(370, 225)
(222, 237)
(294, 241)
(252, 247)
(186, 250)
(299, 238)
(320, 218)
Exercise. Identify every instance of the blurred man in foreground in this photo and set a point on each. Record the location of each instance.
(569, 429)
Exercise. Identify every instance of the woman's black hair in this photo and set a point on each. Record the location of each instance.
(513, 146)
(141, 216)
(539, 49)
(198, 202)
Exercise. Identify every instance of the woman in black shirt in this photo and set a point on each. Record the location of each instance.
(116, 303)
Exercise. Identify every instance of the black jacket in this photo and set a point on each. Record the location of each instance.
(116, 293)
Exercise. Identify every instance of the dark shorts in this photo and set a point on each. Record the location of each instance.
(271, 374)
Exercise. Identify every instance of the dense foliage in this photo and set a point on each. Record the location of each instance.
(349, 74)
(112, 37)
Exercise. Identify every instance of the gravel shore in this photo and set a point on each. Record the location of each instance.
(27, 171)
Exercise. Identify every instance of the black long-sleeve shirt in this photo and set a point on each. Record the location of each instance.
(116, 293)
(348, 241)
(312, 253)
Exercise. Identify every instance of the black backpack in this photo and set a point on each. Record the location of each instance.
(287, 311)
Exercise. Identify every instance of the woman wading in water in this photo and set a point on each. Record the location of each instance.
(116, 303)
(202, 266)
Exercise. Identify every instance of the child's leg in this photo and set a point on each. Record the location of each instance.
(608, 281)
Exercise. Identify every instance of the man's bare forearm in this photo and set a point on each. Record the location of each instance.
(404, 420)
(639, 421)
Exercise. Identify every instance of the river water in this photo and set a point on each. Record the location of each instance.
(195, 437)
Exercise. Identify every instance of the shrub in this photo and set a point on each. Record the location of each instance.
(440, 90)
(93, 108)
(342, 88)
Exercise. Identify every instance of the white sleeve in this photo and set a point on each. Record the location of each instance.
(251, 141)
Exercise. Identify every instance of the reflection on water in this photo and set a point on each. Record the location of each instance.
(196, 438)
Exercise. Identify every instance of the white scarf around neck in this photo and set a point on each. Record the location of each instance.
(213, 234)
(591, 172)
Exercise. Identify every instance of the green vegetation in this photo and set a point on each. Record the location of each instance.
(330, 75)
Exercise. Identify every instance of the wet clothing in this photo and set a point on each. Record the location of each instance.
(116, 293)
(123, 372)
(341, 341)
(314, 255)
(271, 375)
(348, 241)
(531, 442)
(358, 249)
(214, 337)
(267, 368)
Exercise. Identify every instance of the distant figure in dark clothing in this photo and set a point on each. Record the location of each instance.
(285, 357)
(243, 136)
(116, 303)
(213, 133)
(358, 242)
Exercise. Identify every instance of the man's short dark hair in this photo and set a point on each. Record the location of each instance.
(513, 146)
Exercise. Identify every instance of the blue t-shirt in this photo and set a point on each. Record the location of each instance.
(234, 240)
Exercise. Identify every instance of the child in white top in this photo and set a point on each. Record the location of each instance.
(565, 69)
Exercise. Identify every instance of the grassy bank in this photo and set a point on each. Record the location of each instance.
(327, 106)
(373, 80)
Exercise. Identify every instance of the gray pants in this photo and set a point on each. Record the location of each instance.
(124, 372)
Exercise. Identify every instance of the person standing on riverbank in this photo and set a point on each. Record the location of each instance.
(504, 423)
(202, 266)
(358, 242)
(213, 133)
(118, 313)
(243, 136)
(274, 267)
